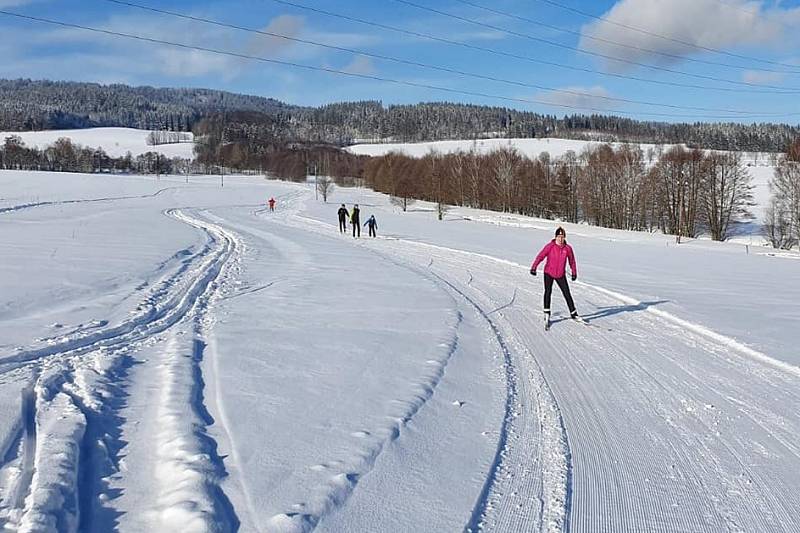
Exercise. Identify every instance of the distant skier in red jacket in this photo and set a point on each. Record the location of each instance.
(271, 203)
(557, 253)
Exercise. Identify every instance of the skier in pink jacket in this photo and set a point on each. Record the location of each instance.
(557, 252)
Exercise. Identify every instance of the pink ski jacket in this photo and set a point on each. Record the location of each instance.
(557, 257)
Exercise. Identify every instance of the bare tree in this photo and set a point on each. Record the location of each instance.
(506, 162)
(785, 186)
(678, 175)
(325, 187)
(777, 228)
(595, 191)
(475, 177)
(726, 193)
(629, 211)
(434, 177)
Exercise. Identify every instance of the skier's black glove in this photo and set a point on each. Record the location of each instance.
(574, 277)
(533, 272)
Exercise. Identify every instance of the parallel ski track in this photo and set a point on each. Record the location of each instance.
(531, 462)
(670, 428)
(594, 363)
(165, 307)
(522, 434)
(528, 487)
(162, 308)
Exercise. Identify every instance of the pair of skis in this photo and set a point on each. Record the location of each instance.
(576, 318)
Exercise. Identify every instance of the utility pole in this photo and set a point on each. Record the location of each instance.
(680, 215)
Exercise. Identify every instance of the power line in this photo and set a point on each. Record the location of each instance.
(666, 38)
(351, 74)
(617, 43)
(433, 67)
(782, 90)
(738, 8)
(576, 49)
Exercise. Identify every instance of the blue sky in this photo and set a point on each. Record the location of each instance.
(687, 41)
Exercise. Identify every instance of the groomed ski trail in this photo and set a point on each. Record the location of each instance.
(528, 484)
(669, 428)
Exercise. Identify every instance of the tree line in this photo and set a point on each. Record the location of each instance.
(677, 191)
(245, 141)
(65, 156)
(292, 161)
(41, 105)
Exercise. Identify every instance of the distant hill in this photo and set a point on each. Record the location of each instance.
(51, 105)
(43, 105)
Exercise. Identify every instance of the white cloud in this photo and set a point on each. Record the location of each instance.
(69, 53)
(193, 63)
(288, 25)
(700, 23)
(360, 65)
(762, 77)
(106, 56)
(581, 97)
(296, 27)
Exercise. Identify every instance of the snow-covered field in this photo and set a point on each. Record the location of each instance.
(116, 142)
(173, 356)
(531, 148)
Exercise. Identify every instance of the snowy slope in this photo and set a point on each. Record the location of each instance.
(115, 141)
(531, 148)
(195, 362)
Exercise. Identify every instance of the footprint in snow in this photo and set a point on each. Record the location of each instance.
(458, 403)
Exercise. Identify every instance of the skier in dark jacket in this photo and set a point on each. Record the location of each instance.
(355, 220)
(558, 253)
(343, 215)
(373, 225)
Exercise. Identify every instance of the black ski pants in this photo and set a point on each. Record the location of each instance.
(371, 231)
(356, 228)
(342, 225)
(563, 285)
